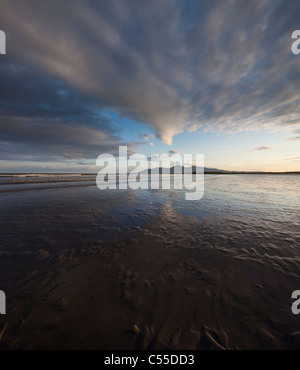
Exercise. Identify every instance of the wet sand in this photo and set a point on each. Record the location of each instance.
(142, 294)
(147, 271)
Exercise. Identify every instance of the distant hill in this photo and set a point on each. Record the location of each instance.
(180, 169)
(212, 171)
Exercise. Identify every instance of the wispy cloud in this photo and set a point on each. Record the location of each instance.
(293, 159)
(174, 151)
(146, 136)
(263, 147)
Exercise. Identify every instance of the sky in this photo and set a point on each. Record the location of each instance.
(214, 77)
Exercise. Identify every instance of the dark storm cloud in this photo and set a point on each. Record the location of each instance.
(45, 117)
(174, 65)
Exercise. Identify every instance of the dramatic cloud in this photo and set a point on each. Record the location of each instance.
(173, 65)
(43, 119)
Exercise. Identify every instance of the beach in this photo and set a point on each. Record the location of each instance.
(121, 269)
